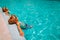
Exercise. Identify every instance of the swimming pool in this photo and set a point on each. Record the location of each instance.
(44, 16)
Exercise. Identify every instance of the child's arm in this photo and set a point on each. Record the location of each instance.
(19, 29)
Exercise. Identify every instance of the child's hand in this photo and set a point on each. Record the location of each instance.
(21, 33)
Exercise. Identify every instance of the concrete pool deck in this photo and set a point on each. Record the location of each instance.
(4, 33)
(8, 32)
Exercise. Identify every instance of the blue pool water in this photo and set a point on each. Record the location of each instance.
(44, 16)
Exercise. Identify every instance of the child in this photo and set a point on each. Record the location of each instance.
(14, 20)
(22, 25)
(6, 11)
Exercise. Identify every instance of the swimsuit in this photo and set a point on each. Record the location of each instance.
(24, 26)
